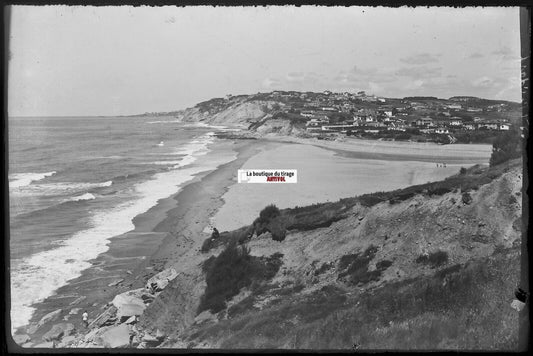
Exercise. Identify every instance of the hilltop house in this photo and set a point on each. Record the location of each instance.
(456, 121)
(504, 127)
(424, 121)
(442, 131)
(317, 121)
(455, 106)
(488, 126)
(307, 113)
(469, 126)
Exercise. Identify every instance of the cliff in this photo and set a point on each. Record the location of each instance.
(429, 266)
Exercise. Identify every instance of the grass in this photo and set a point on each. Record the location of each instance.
(353, 268)
(459, 307)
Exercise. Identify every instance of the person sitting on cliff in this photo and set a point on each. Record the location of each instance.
(85, 319)
(215, 233)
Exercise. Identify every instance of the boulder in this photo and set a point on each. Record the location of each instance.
(21, 338)
(74, 311)
(161, 280)
(104, 318)
(128, 310)
(131, 320)
(129, 303)
(68, 340)
(160, 335)
(150, 341)
(32, 329)
(45, 345)
(58, 331)
(117, 336)
(149, 338)
(147, 298)
(49, 317)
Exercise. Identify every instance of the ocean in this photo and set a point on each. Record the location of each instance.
(75, 182)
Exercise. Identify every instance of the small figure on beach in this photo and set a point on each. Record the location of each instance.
(215, 233)
(85, 319)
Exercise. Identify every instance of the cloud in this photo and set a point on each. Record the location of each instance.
(483, 82)
(270, 83)
(503, 51)
(419, 72)
(421, 58)
(476, 55)
(295, 76)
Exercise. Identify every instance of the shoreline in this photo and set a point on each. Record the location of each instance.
(137, 255)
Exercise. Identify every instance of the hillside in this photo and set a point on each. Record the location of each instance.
(429, 266)
(457, 119)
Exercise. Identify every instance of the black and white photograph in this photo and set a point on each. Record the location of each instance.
(311, 178)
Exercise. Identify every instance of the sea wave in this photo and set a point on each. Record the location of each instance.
(38, 276)
(86, 196)
(60, 188)
(164, 122)
(24, 179)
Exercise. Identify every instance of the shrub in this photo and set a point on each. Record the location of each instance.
(354, 267)
(462, 170)
(506, 147)
(268, 213)
(467, 199)
(231, 271)
(434, 259)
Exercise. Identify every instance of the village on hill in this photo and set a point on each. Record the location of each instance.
(328, 115)
(457, 119)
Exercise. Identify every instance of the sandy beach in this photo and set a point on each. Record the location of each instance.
(328, 171)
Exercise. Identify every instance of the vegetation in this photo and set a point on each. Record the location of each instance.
(238, 236)
(270, 220)
(459, 307)
(506, 147)
(353, 268)
(231, 271)
(434, 259)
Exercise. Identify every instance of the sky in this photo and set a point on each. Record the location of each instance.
(85, 61)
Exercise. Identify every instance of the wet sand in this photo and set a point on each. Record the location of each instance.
(327, 173)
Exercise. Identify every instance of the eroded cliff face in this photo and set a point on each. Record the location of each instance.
(236, 111)
(432, 271)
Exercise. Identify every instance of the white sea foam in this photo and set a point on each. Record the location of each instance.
(59, 188)
(106, 184)
(23, 179)
(203, 124)
(164, 121)
(86, 196)
(38, 276)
